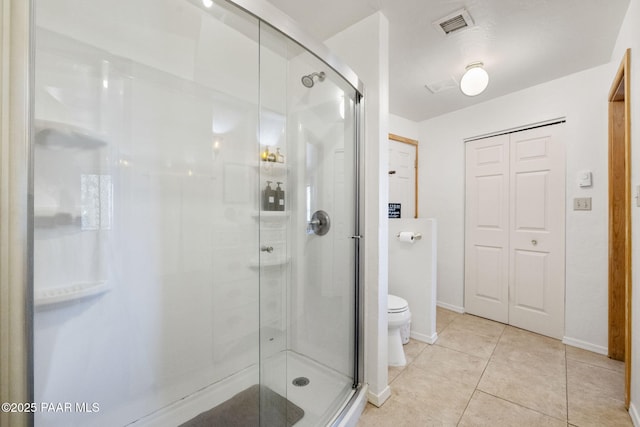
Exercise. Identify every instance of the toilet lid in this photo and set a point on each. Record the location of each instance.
(396, 304)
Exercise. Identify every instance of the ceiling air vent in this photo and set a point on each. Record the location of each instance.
(437, 87)
(455, 21)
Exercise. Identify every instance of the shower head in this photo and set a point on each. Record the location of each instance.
(307, 81)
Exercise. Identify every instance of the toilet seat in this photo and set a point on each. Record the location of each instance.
(396, 304)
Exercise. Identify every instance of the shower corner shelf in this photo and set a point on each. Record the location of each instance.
(48, 217)
(64, 135)
(273, 168)
(271, 215)
(272, 262)
(75, 291)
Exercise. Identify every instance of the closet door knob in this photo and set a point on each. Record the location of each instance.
(534, 242)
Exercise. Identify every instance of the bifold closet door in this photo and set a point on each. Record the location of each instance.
(514, 241)
(487, 228)
(537, 201)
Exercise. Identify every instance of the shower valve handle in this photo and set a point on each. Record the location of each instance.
(267, 249)
(319, 223)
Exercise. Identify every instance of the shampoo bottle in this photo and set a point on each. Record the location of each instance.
(279, 198)
(269, 198)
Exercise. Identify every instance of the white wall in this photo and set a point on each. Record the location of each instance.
(403, 127)
(629, 37)
(581, 99)
(412, 273)
(365, 47)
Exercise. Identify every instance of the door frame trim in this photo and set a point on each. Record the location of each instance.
(413, 142)
(622, 81)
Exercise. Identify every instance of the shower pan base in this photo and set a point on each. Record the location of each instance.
(317, 399)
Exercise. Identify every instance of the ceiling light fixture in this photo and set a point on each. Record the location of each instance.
(475, 79)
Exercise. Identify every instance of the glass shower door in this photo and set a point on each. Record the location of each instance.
(307, 226)
(194, 214)
(146, 302)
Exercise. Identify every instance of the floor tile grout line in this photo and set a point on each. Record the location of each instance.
(404, 368)
(591, 364)
(491, 355)
(492, 358)
(522, 406)
(516, 403)
(485, 321)
(475, 389)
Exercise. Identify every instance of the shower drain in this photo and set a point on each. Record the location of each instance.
(300, 381)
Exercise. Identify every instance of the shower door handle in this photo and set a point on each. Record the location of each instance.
(267, 249)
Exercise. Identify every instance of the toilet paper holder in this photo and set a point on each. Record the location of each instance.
(416, 236)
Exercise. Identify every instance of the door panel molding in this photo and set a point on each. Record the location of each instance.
(487, 228)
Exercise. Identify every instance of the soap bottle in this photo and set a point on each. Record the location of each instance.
(264, 156)
(279, 198)
(269, 198)
(279, 156)
(271, 157)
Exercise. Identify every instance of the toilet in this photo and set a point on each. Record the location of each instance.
(399, 317)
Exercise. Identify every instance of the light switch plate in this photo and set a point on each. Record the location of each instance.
(582, 204)
(585, 179)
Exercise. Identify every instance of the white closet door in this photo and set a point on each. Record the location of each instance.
(487, 228)
(537, 255)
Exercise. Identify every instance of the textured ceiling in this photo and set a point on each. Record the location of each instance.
(521, 42)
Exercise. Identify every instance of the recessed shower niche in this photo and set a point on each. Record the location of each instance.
(166, 290)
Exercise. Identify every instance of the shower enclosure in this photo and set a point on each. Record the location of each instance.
(195, 219)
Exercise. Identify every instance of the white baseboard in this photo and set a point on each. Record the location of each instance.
(429, 339)
(451, 307)
(585, 345)
(380, 398)
(635, 417)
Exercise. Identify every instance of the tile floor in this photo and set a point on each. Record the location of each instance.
(484, 373)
